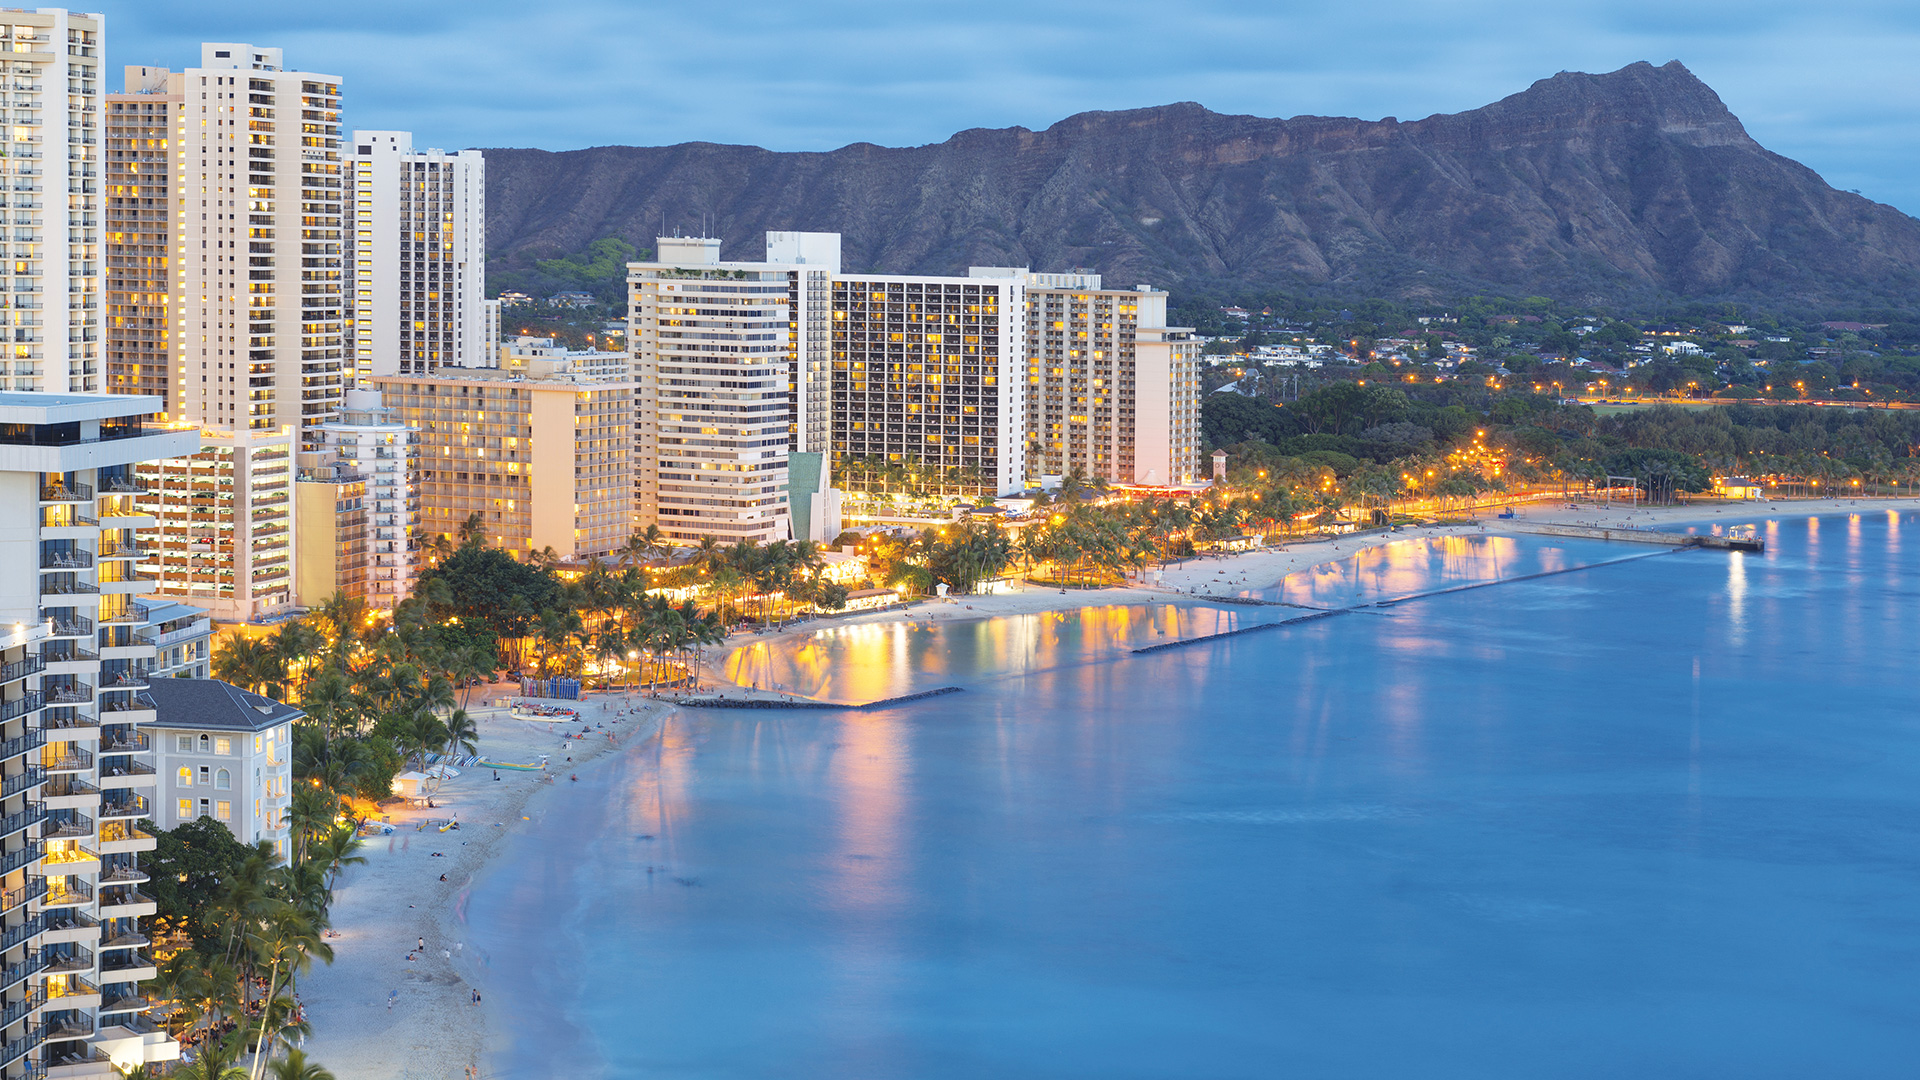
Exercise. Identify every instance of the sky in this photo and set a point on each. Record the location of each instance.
(1828, 84)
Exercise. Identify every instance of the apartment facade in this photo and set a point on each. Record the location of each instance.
(1112, 390)
(928, 377)
(356, 503)
(417, 240)
(710, 347)
(811, 260)
(76, 773)
(140, 263)
(220, 523)
(260, 243)
(222, 753)
(544, 455)
(50, 317)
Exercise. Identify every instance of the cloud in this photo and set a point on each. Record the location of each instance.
(1824, 84)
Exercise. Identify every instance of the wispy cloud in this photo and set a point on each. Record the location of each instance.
(1826, 84)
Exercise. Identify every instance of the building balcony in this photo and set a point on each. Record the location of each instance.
(67, 960)
(59, 661)
(20, 669)
(72, 761)
(63, 493)
(21, 744)
(124, 874)
(12, 899)
(72, 693)
(128, 703)
(126, 808)
(69, 626)
(27, 779)
(16, 974)
(128, 776)
(120, 838)
(125, 902)
(69, 894)
(17, 1011)
(69, 924)
(125, 743)
(66, 560)
(27, 702)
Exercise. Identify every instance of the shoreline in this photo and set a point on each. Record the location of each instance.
(431, 1017)
(1193, 579)
(377, 1014)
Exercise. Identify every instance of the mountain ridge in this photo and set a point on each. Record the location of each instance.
(1633, 184)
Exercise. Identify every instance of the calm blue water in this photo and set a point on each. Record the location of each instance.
(1657, 818)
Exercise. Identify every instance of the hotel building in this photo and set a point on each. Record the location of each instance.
(220, 529)
(77, 655)
(710, 345)
(929, 376)
(139, 229)
(261, 268)
(356, 503)
(544, 456)
(1112, 390)
(50, 318)
(418, 253)
(225, 753)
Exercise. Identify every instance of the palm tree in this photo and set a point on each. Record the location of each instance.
(295, 1066)
(311, 812)
(334, 852)
(216, 1062)
(462, 732)
(286, 939)
(473, 530)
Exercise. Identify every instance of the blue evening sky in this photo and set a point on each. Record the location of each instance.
(1828, 83)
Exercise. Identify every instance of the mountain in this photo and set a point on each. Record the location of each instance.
(1637, 184)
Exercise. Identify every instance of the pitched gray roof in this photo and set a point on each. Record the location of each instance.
(212, 705)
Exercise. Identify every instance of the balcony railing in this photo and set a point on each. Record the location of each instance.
(122, 961)
(34, 889)
(21, 706)
(71, 761)
(22, 1046)
(15, 935)
(21, 744)
(66, 493)
(129, 703)
(14, 860)
(72, 894)
(70, 825)
(123, 485)
(124, 743)
(25, 969)
(13, 785)
(68, 588)
(135, 807)
(122, 896)
(20, 669)
(74, 693)
(66, 560)
(66, 958)
(12, 1014)
(114, 832)
(71, 627)
(129, 873)
(133, 677)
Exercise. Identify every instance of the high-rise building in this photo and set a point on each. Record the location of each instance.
(811, 261)
(50, 279)
(220, 533)
(543, 454)
(418, 244)
(1112, 390)
(261, 195)
(76, 771)
(140, 263)
(356, 503)
(929, 383)
(711, 350)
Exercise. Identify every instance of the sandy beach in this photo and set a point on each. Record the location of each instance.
(377, 1014)
(388, 1008)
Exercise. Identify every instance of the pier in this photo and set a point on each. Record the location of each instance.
(1633, 536)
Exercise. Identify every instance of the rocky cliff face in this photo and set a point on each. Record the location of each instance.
(1634, 183)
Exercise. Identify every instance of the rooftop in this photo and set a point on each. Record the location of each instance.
(212, 705)
(18, 407)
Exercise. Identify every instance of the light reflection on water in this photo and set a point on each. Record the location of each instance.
(1656, 818)
(878, 660)
(1423, 564)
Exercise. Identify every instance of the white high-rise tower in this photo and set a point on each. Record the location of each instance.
(418, 242)
(50, 193)
(260, 191)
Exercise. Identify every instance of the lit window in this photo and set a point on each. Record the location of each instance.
(186, 776)
(186, 809)
(223, 810)
(223, 746)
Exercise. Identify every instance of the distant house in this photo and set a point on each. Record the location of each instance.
(1851, 327)
(1736, 487)
(513, 298)
(573, 299)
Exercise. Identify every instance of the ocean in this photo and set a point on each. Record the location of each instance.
(1656, 816)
